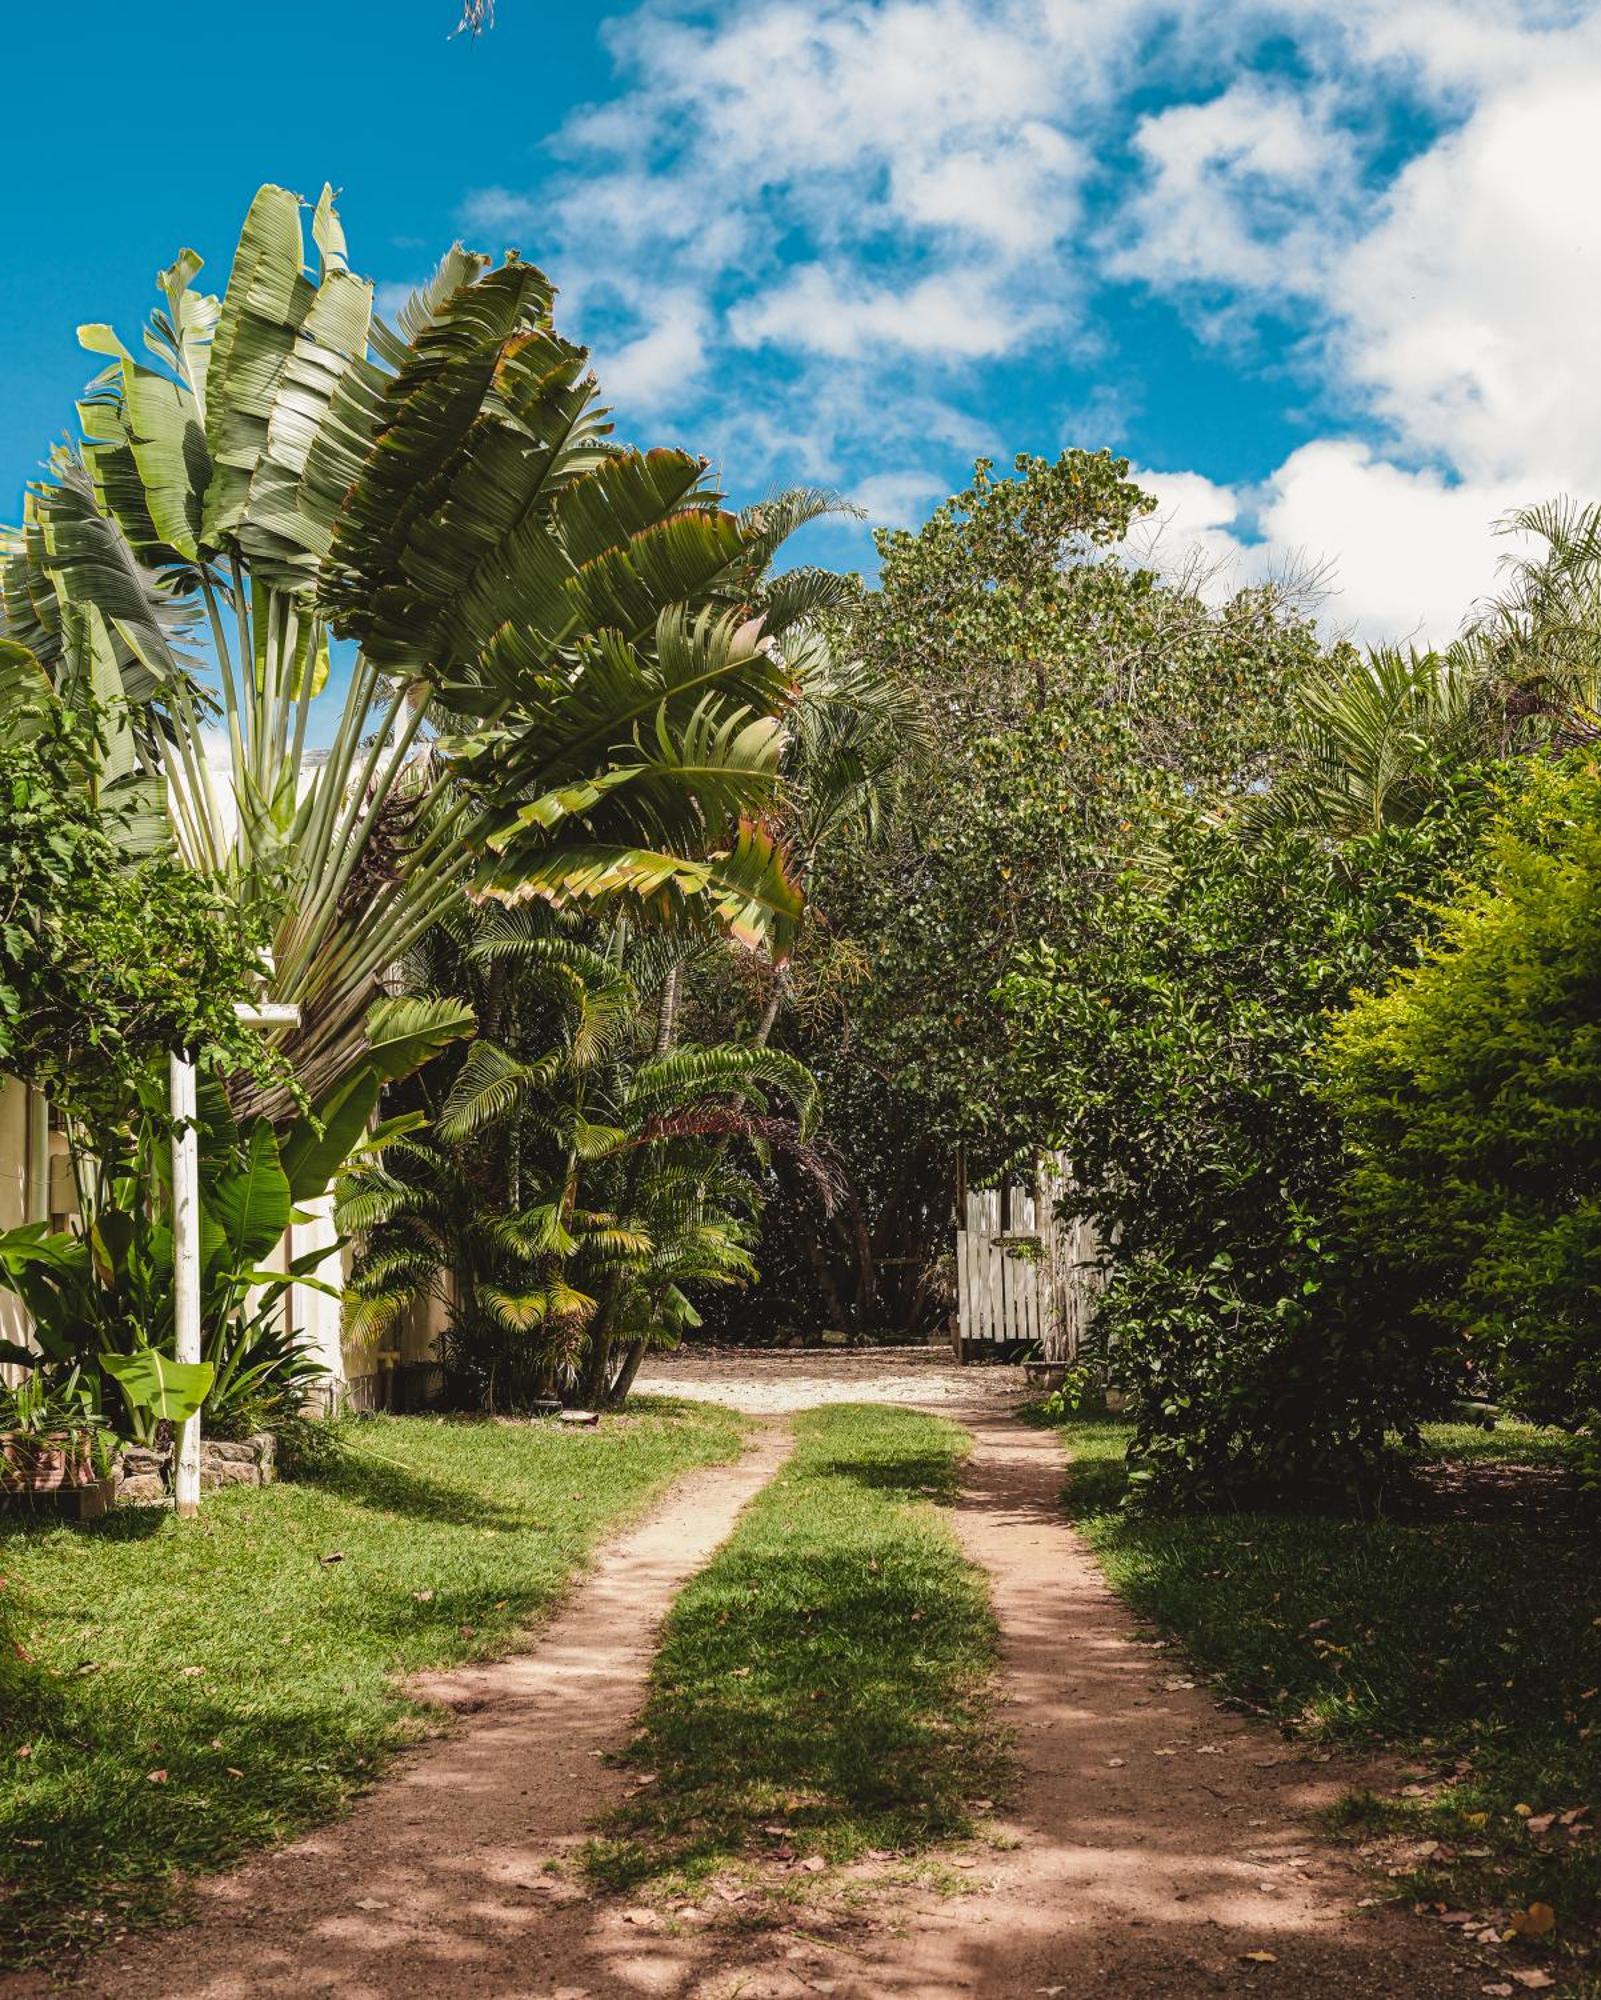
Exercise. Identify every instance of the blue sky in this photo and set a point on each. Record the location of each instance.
(1329, 274)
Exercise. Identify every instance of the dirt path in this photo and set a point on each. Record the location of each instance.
(1153, 1844)
(436, 1886)
(1139, 1874)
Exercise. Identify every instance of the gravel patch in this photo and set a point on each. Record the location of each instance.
(766, 1383)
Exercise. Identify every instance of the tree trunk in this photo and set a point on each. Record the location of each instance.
(775, 1001)
(667, 1011)
(617, 1394)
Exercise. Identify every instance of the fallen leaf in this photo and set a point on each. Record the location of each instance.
(191, 1673)
(155, 1777)
(1541, 1822)
(233, 1771)
(371, 1903)
(1164, 1753)
(1531, 1976)
(334, 1556)
(26, 1750)
(1536, 1921)
(1496, 1986)
(1115, 1763)
(814, 1864)
(1260, 1957)
(423, 1596)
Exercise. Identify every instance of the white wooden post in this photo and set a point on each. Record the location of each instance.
(186, 1269)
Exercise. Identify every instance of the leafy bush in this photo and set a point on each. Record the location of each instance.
(1472, 1088)
(106, 960)
(1175, 1061)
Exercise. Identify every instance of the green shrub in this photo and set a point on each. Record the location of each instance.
(1472, 1091)
(1176, 1062)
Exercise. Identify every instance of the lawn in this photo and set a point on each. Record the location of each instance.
(824, 1688)
(173, 1696)
(1469, 1639)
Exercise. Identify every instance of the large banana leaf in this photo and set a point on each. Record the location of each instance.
(278, 467)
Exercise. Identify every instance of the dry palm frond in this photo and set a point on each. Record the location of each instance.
(476, 15)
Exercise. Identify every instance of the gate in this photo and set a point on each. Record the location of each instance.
(1023, 1276)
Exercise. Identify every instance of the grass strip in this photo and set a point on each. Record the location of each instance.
(828, 1674)
(1470, 1645)
(171, 1697)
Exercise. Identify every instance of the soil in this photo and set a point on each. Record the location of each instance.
(1156, 1846)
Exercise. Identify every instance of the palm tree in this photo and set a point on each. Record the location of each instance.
(1376, 738)
(1538, 640)
(554, 620)
(575, 1182)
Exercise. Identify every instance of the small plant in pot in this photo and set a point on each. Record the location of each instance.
(51, 1437)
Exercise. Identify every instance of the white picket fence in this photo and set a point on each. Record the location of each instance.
(1023, 1277)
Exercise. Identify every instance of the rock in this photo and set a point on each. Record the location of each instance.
(139, 1477)
(238, 1462)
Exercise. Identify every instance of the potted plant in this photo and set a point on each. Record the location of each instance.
(53, 1444)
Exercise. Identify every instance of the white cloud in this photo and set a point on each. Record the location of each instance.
(658, 365)
(494, 210)
(1240, 190)
(1410, 554)
(859, 217)
(955, 315)
(899, 499)
(1470, 309)
(1402, 555)
(1197, 524)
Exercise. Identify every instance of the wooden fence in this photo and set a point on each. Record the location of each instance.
(1024, 1277)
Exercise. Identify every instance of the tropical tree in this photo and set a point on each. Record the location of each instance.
(282, 470)
(1376, 739)
(574, 1184)
(1059, 696)
(1537, 641)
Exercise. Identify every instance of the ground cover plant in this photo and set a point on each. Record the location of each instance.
(172, 1696)
(1463, 1632)
(823, 1688)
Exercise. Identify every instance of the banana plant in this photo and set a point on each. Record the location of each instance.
(552, 685)
(100, 1298)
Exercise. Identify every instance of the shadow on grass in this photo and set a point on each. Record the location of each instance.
(385, 1486)
(93, 1834)
(845, 1698)
(829, 1674)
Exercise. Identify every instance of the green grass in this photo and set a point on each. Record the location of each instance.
(259, 1674)
(1472, 1645)
(829, 1673)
